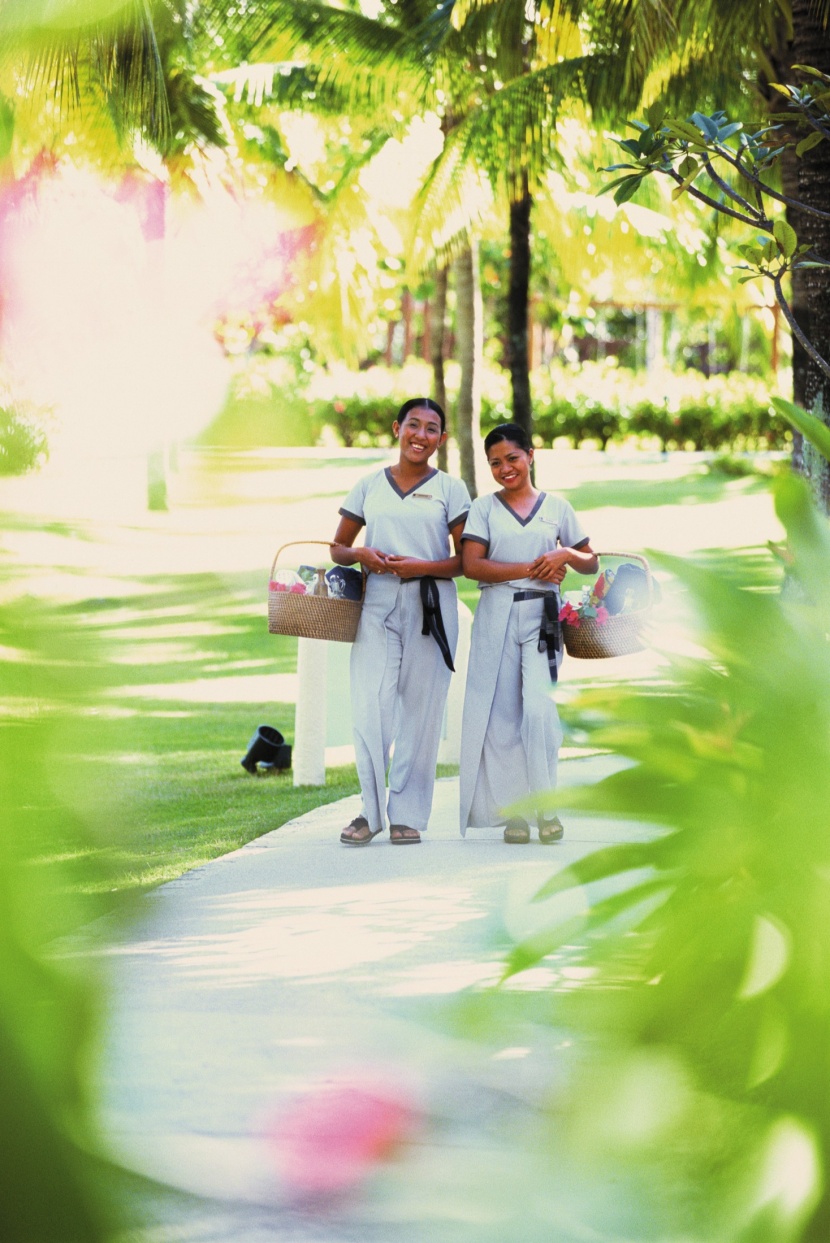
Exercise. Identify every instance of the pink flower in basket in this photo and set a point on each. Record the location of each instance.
(299, 588)
(568, 614)
(602, 614)
(274, 586)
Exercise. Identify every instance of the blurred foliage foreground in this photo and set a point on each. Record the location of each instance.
(694, 1105)
(699, 1105)
(55, 1182)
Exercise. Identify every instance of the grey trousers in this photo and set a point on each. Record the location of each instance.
(399, 686)
(524, 734)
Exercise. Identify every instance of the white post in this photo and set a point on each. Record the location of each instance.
(309, 756)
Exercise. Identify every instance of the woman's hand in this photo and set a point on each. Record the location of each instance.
(551, 567)
(407, 567)
(373, 560)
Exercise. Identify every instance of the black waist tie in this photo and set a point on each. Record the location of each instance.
(550, 635)
(433, 621)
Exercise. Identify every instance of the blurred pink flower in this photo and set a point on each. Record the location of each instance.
(339, 407)
(602, 614)
(569, 614)
(328, 1140)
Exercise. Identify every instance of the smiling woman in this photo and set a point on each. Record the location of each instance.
(402, 657)
(518, 544)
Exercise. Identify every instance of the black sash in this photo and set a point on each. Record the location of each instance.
(433, 621)
(550, 635)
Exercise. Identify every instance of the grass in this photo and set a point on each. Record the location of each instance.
(156, 695)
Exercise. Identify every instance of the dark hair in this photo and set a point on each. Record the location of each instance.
(415, 403)
(508, 431)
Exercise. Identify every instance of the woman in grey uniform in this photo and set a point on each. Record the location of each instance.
(518, 544)
(402, 657)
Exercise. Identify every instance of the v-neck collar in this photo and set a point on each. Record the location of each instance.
(522, 521)
(403, 495)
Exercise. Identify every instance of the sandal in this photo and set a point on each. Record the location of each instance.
(402, 835)
(550, 830)
(517, 831)
(360, 825)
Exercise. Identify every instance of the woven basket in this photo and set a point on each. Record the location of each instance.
(311, 617)
(620, 634)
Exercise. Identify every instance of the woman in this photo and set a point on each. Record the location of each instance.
(518, 544)
(402, 657)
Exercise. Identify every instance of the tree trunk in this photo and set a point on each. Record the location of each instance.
(811, 46)
(470, 337)
(437, 338)
(518, 300)
(798, 290)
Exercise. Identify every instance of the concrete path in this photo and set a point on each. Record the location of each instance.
(295, 963)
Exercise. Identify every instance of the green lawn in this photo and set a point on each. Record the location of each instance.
(143, 682)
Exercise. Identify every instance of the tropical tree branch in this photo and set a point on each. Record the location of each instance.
(703, 197)
(725, 186)
(804, 341)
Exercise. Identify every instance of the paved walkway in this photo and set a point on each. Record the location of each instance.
(296, 962)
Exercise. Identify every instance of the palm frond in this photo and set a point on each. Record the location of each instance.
(512, 134)
(276, 28)
(366, 64)
(120, 58)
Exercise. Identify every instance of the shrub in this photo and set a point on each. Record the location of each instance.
(23, 444)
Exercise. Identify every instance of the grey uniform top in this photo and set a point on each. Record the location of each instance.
(416, 523)
(507, 537)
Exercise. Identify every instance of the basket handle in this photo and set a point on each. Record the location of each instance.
(633, 556)
(294, 544)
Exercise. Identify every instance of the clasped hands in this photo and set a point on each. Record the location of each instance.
(391, 563)
(551, 567)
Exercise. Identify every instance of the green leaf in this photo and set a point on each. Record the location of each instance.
(751, 252)
(687, 166)
(706, 125)
(726, 131)
(609, 861)
(809, 425)
(814, 73)
(655, 114)
(682, 129)
(786, 237)
(620, 181)
(811, 263)
(807, 144)
(628, 188)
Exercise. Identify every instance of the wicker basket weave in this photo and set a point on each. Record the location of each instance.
(620, 634)
(307, 616)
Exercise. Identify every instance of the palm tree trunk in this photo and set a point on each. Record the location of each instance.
(437, 339)
(470, 338)
(518, 300)
(811, 46)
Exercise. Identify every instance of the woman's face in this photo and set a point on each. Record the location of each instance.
(419, 435)
(510, 465)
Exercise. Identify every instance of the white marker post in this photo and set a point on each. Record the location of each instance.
(309, 756)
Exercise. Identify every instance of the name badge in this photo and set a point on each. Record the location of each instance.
(549, 522)
(422, 496)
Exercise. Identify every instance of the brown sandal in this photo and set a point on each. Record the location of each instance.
(359, 825)
(550, 830)
(517, 831)
(402, 835)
